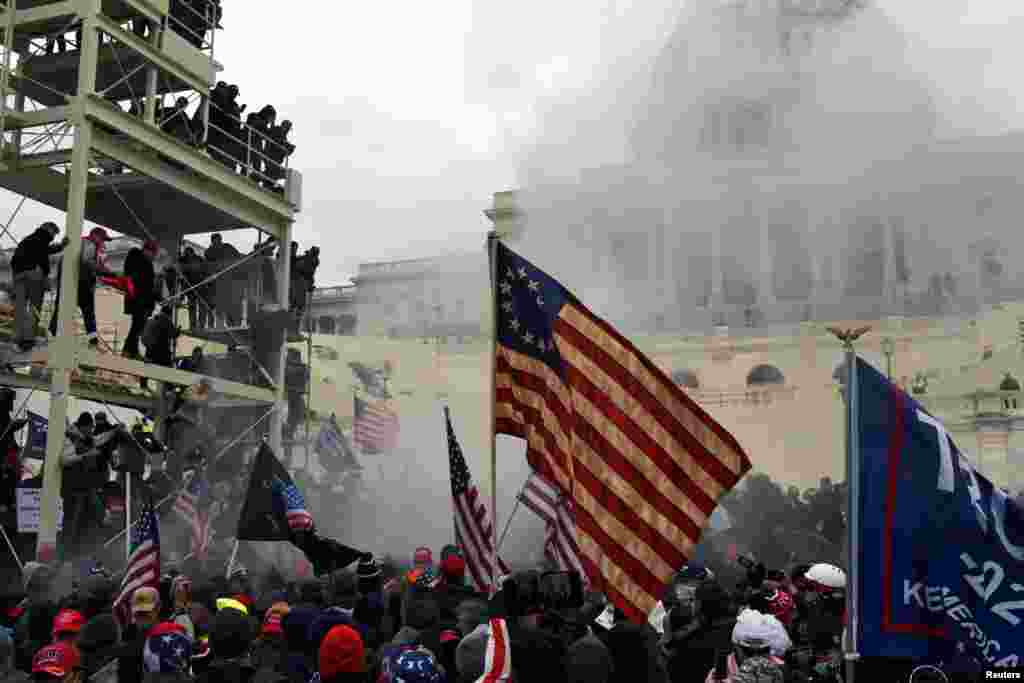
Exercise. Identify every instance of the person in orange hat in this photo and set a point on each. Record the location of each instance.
(67, 625)
(138, 265)
(92, 266)
(57, 662)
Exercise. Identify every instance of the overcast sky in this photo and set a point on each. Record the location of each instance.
(409, 115)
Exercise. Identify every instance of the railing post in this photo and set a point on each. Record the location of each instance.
(248, 151)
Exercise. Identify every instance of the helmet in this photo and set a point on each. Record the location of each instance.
(826, 577)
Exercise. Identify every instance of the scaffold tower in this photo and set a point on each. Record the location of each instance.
(84, 129)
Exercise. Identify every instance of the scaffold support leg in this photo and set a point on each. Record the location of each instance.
(283, 276)
(63, 358)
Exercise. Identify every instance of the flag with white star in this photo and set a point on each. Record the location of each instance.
(143, 562)
(642, 464)
(473, 530)
(274, 507)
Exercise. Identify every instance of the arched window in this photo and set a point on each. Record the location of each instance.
(686, 378)
(763, 375)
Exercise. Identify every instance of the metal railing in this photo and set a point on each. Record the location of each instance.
(339, 292)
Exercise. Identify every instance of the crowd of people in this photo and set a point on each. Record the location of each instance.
(376, 623)
(210, 298)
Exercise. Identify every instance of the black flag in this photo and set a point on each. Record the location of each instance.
(274, 506)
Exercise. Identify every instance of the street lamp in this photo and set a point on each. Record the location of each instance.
(888, 347)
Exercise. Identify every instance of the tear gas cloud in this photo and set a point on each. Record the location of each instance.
(796, 139)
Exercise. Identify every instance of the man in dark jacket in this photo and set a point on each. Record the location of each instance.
(86, 468)
(30, 266)
(138, 265)
(191, 265)
(696, 650)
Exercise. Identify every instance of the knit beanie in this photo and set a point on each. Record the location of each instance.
(341, 651)
(231, 634)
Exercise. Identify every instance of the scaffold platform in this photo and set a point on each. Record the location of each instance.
(85, 128)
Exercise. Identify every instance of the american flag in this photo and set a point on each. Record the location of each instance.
(193, 506)
(642, 463)
(376, 426)
(473, 530)
(295, 505)
(143, 563)
(550, 505)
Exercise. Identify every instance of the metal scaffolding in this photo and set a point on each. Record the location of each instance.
(66, 141)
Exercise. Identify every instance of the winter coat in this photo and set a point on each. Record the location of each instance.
(588, 660)
(753, 670)
(130, 667)
(34, 252)
(228, 671)
(635, 654)
(140, 269)
(699, 651)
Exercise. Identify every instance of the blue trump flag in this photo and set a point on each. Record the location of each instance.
(36, 436)
(941, 548)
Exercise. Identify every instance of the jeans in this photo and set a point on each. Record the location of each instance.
(86, 302)
(131, 342)
(28, 304)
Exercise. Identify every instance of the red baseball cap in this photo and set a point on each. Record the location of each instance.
(57, 660)
(422, 556)
(67, 621)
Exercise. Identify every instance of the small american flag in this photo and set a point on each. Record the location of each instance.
(376, 426)
(550, 505)
(642, 463)
(193, 506)
(473, 530)
(143, 563)
(295, 505)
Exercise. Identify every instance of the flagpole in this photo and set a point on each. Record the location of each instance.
(850, 641)
(492, 252)
(231, 562)
(127, 516)
(508, 522)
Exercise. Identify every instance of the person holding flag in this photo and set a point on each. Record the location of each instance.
(275, 510)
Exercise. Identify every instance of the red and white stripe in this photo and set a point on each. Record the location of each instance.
(642, 463)
(474, 533)
(143, 570)
(498, 662)
(187, 506)
(375, 429)
(555, 509)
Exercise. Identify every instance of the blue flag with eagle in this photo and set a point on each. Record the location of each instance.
(274, 507)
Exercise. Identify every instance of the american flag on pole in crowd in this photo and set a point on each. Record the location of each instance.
(143, 563)
(643, 465)
(193, 506)
(473, 530)
(545, 500)
(376, 426)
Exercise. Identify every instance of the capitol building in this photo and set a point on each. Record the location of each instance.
(786, 174)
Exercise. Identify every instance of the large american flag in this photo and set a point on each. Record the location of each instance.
(547, 502)
(642, 463)
(376, 426)
(143, 563)
(193, 506)
(474, 532)
(288, 493)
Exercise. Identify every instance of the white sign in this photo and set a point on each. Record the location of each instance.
(28, 510)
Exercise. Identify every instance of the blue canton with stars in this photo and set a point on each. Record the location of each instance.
(528, 302)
